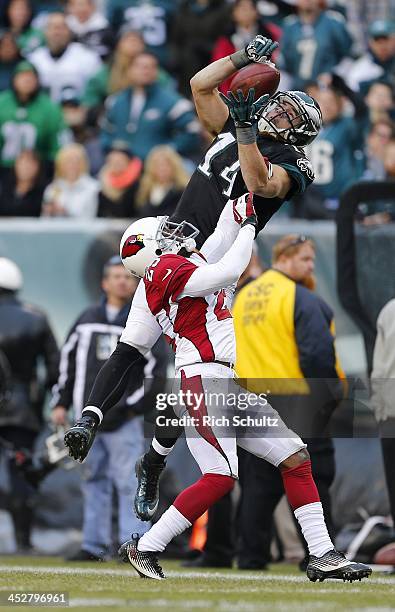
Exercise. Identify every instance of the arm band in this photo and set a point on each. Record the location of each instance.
(246, 135)
(240, 59)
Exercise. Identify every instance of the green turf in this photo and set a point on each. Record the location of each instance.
(112, 586)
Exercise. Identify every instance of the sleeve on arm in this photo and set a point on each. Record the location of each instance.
(301, 174)
(57, 132)
(185, 126)
(142, 329)
(62, 392)
(223, 236)
(226, 271)
(317, 358)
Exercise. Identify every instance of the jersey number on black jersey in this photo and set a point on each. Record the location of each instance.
(229, 173)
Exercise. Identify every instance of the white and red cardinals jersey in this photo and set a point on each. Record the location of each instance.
(188, 299)
(199, 329)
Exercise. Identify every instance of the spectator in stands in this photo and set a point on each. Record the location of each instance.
(196, 27)
(148, 114)
(120, 441)
(118, 182)
(19, 17)
(380, 101)
(150, 17)
(9, 58)
(63, 63)
(379, 62)
(314, 42)
(285, 342)
(383, 391)
(360, 13)
(113, 76)
(22, 195)
(89, 26)
(162, 183)
(379, 136)
(27, 341)
(82, 131)
(382, 211)
(245, 24)
(29, 119)
(73, 193)
(336, 154)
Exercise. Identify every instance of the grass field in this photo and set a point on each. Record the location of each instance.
(110, 586)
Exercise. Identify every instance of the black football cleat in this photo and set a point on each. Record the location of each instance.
(145, 563)
(80, 437)
(146, 500)
(335, 565)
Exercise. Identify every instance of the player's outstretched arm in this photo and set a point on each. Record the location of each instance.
(267, 181)
(227, 229)
(212, 112)
(229, 268)
(140, 334)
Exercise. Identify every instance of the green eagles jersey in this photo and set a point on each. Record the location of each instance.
(38, 125)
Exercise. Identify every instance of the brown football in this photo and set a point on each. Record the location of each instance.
(264, 78)
(386, 555)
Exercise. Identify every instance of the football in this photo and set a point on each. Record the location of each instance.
(263, 77)
(386, 555)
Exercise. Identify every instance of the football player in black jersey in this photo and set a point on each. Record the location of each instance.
(257, 146)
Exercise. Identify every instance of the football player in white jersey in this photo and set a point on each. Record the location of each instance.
(184, 296)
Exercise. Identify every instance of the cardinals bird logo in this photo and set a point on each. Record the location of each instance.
(132, 245)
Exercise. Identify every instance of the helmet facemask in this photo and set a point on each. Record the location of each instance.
(173, 236)
(302, 128)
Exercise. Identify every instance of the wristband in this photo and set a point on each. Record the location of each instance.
(240, 59)
(246, 135)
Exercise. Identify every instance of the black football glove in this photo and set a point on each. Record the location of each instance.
(243, 110)
(259, 50)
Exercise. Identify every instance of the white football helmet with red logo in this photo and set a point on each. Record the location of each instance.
(148, 238)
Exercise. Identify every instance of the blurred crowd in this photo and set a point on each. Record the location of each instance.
(96, 117)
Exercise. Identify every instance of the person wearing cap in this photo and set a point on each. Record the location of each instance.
(378, 64)
(315, 41)
(147, 114)
(285, 345)
(119, 179)
(29, 119)
(26, 339)
(120, 442)
(62, 63)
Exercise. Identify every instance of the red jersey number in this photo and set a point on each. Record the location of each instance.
(221, 311)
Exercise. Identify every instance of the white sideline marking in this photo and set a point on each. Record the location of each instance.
(232, 575)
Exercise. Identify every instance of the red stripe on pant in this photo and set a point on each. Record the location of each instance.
(198, 412)
(299, 485)
(197, 498)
